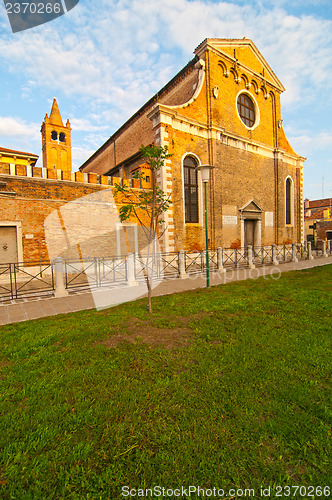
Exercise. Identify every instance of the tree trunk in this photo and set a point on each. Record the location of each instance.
(148, 282)
(149, 295)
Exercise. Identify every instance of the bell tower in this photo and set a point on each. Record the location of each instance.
(56, 141)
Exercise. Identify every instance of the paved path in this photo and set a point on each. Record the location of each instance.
(26, 309)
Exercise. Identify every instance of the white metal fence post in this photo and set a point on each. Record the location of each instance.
(309, 256)
(324, 249)
(59, 278)
(294, 253)
(275, 261)
(182, 264)
(131, 278)
(250, 258)
(220, 260)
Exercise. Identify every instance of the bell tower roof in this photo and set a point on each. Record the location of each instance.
(55, 116)
(56, 141)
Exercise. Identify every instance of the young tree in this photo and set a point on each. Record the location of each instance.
(147, 205)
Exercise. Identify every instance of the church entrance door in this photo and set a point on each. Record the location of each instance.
(249, 233)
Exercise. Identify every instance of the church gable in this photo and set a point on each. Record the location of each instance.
(242, 56)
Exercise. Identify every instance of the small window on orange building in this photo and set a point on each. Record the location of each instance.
(246, 109)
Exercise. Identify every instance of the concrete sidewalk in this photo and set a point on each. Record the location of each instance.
(27, 309)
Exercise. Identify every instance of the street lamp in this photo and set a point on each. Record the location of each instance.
(205, 174)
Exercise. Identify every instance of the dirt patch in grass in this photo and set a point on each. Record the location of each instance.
(59, 345)
(142, 332)
(3, 364)
(196, 316)
(138, 331)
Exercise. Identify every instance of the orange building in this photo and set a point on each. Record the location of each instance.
(318, 221)
(221, 109)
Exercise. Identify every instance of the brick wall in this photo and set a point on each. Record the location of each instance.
(30, 200)
(321, 228)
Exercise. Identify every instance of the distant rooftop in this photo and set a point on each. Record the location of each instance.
(324, 202)
(13, 152)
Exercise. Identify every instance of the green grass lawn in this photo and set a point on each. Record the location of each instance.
(227, 387)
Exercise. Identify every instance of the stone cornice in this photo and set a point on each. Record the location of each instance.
(162, 114)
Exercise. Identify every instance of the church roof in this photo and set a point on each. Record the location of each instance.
(155, 98)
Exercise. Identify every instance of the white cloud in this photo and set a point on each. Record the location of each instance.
(117, 60)
(306, 141)
(94, 141)
(85, 125)
(20, 135)
(79, 155)
(109, 57)
(12, 126)
(303, 59)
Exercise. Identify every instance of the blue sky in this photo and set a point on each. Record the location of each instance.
(104, 59)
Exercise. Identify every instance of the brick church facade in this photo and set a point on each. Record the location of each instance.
(222, 109)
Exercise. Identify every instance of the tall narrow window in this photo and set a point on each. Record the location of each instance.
(289, 200)
(190, 189)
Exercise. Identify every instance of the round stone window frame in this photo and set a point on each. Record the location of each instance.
(256, 109)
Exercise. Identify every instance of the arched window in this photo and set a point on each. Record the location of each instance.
(289, 200)
(190, 189)
(62, 137)
(54, 135)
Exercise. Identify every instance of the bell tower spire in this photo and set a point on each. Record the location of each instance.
(56, 141)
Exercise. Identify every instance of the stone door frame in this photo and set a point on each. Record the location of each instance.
(251, 211)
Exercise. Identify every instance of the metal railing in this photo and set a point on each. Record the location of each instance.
(28, 279)
(263, 255)
(170, 264)
(94, 272)
(235, 257)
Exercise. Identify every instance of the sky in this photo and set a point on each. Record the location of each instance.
(104, 59)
